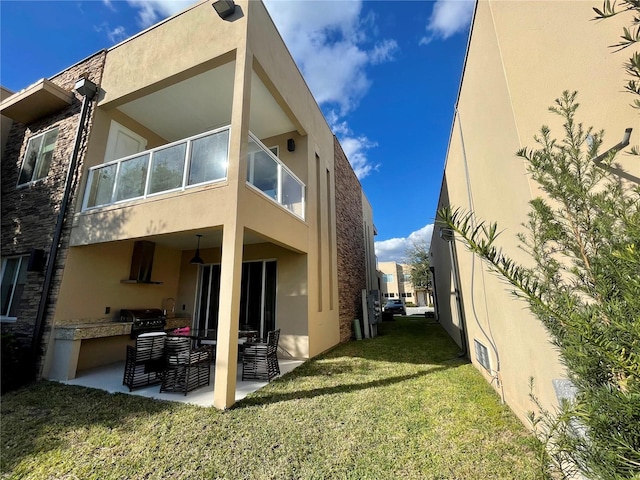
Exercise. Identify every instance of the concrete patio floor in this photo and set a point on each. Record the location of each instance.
(109, 378)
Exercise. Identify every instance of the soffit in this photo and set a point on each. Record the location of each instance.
(211, 238)
(36, 101)
(203, 102)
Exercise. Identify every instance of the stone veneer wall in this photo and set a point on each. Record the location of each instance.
(350, 243)
(29, 213)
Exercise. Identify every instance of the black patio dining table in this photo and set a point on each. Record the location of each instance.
(209, 336)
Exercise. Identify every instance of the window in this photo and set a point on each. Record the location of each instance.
(391, 295)
(386, 295)
(14, 277)
(38, 157)
(387, 278)
(409, 294)
(406, 278)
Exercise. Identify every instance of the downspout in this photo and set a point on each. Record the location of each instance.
(87, 89)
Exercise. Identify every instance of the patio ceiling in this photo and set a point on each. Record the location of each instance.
(203, 102)
(211, 238)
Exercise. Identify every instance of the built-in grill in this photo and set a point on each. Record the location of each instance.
(144, 320)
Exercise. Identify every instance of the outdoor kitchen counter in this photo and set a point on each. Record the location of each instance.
(108, 329)
(103, 341)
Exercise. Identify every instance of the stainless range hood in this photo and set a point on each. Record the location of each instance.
(142, 263)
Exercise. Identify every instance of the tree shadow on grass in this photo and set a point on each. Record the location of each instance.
(267, 398)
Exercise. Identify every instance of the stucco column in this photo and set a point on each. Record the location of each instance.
(224, 392)
(233, 238)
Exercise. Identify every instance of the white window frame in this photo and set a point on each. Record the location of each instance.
(275, 150)
(38, 161)
(22, 260)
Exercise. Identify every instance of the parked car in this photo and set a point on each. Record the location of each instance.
(395, 307)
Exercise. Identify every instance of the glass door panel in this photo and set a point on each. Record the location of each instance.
(257, 297)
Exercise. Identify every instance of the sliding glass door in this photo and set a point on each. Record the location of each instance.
(257, 297)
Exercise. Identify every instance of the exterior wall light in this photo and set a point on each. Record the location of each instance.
(224, 8)
(291, 145)
(197, 260)
(86, 88)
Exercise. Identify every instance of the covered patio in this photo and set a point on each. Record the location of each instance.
(109, 378)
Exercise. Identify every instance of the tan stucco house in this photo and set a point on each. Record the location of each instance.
(395, 282)
(521, 56)
(202, 134)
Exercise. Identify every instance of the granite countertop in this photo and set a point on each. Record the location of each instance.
(83, 331)
(92, 330)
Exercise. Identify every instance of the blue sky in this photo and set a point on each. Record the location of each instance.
(385, 73)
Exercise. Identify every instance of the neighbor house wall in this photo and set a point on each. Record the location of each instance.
(520, 58)
(30, 212)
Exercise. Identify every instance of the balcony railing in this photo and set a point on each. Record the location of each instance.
(268, 174)
(197, 160)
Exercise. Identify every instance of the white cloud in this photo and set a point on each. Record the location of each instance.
(331, 44)
(152, 11)
(355, 148)
(109, 5)
(395, 249)
(448, 18)
(115, 35)
(320, 34)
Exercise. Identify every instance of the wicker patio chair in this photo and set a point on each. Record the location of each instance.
(145, 362)
(260, 360)
(185, 369)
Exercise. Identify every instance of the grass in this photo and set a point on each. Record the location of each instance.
(402, 405)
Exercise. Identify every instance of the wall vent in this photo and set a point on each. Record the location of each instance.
(482, 355)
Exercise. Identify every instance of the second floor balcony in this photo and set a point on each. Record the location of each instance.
(195, 161)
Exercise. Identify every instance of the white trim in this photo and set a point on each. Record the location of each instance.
(14, 280)
(38, 157)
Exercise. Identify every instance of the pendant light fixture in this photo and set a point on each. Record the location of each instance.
(197, 260)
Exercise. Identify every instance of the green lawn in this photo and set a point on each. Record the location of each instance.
(402, 405)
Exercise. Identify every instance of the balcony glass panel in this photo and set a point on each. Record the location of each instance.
(132, 178)
(292, 194)
(162, 169)
(269, 175)
(262, 170)
(100, 185)
(167, 168)
(209, 158)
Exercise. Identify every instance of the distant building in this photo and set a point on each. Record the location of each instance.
(395, 282)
